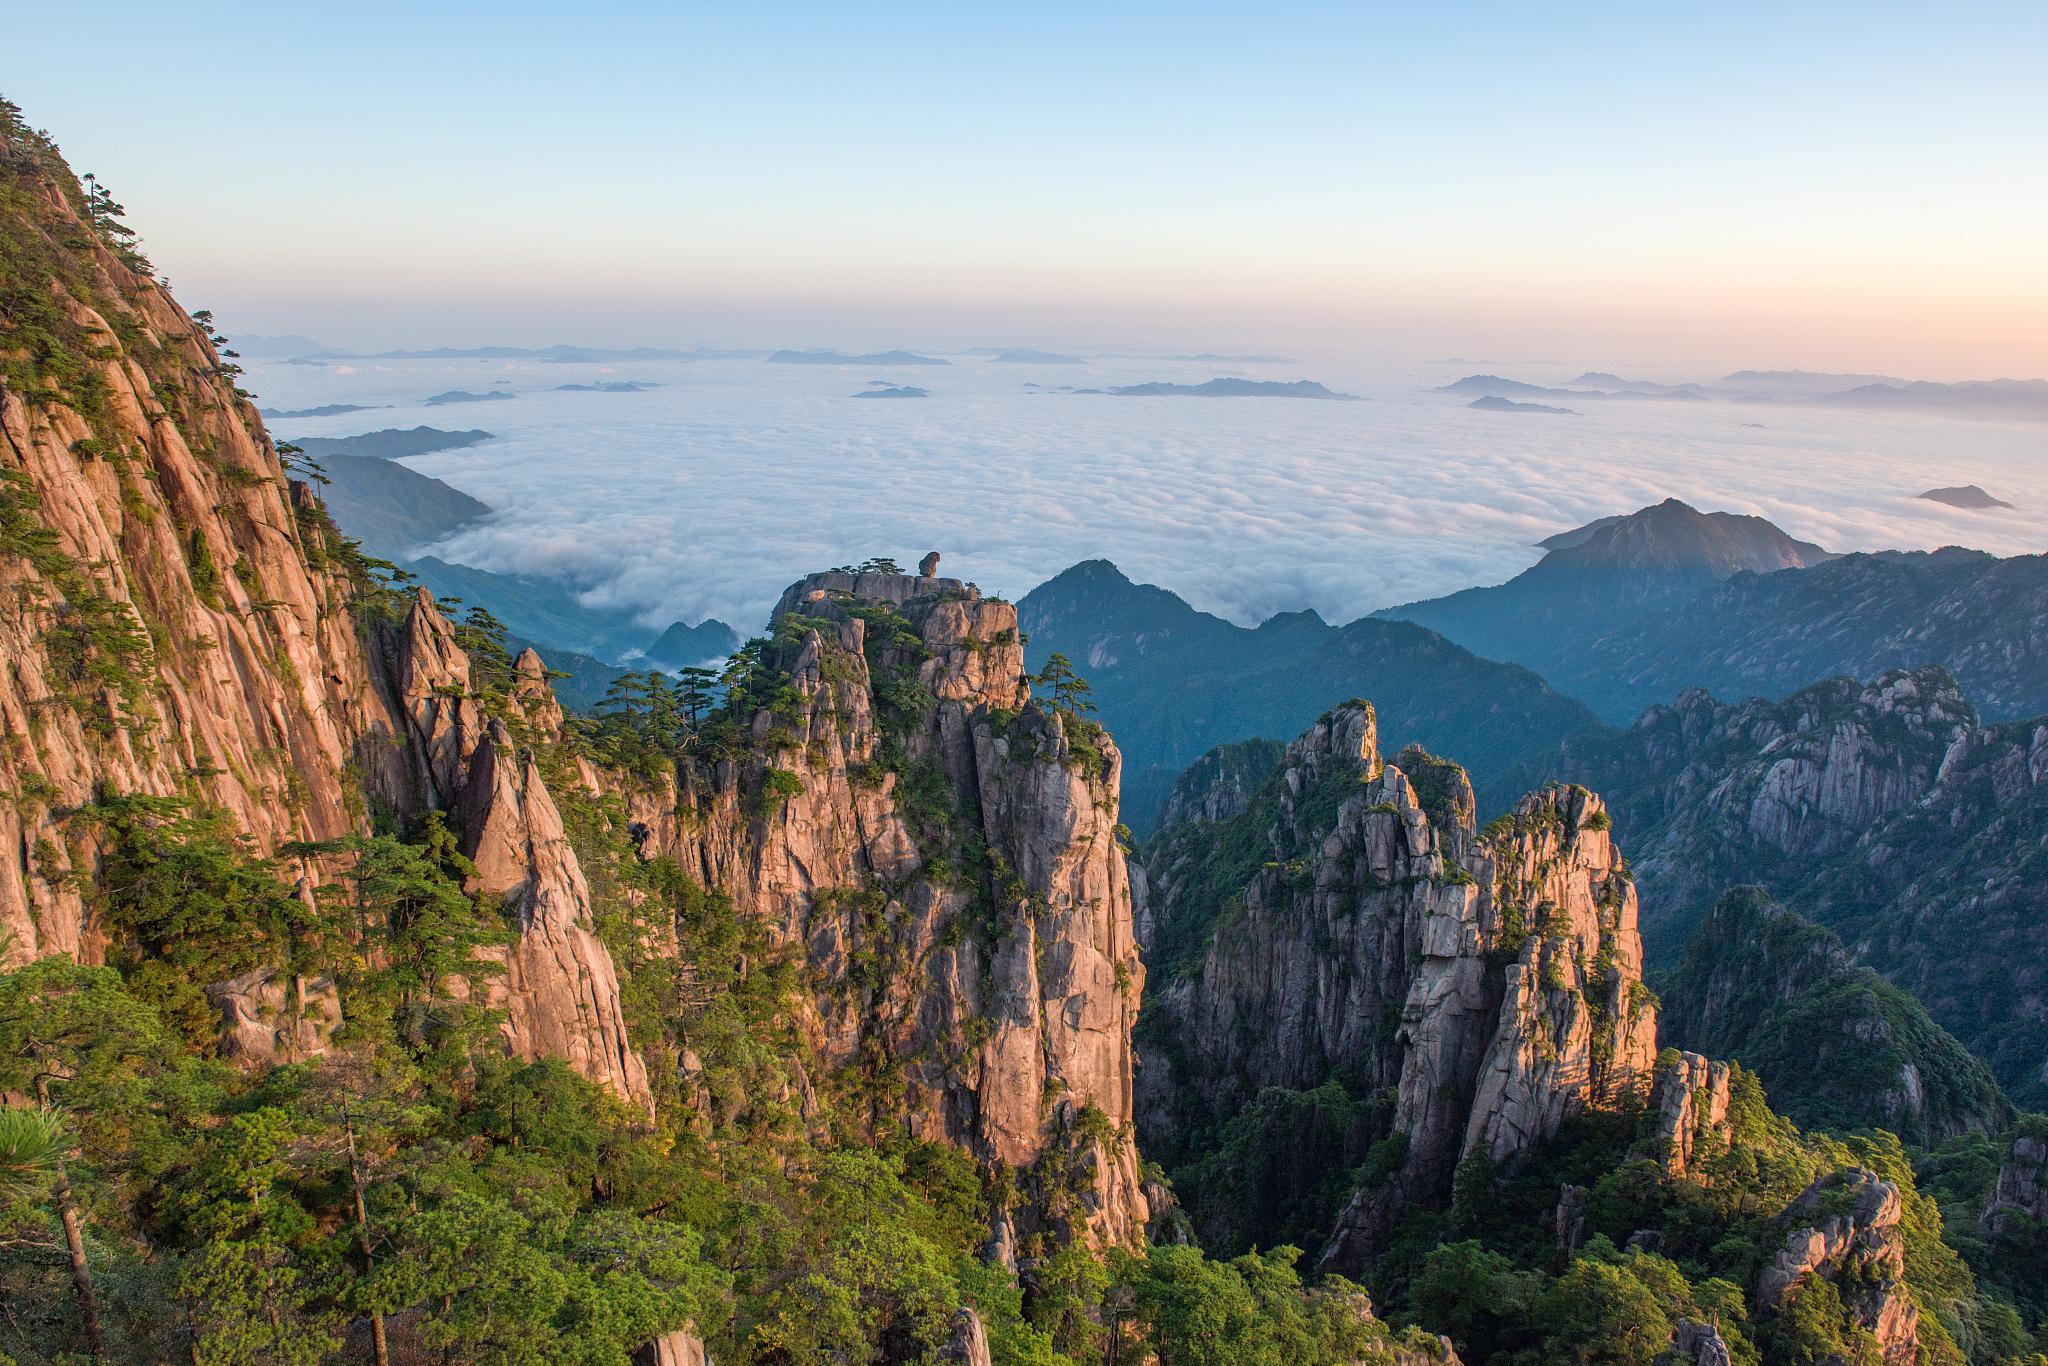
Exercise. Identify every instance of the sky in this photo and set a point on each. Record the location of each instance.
(1689, 189)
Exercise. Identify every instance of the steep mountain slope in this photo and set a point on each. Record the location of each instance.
(1173, 683)
(1351, 920)
(171, 618)
(1884, 811)
(1837, 1045)
(1982, 618)
(391, 509)
(1428, 1048)
(1663, 555)
(943, 849)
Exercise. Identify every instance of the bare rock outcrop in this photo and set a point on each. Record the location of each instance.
(1356, 919)
(172, 619)
(680, 1348)
(2021, 1187)
(561, 989)
(1696, 1344)
(269, 1017)
(1845, 1229)
(942, 850)
(1691, 1101)
(968, 1345)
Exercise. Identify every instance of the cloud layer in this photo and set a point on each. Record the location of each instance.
(706, 496)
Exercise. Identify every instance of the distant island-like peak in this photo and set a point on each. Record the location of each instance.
(895, 391)
(1492, 403)
(324, 410)
(465, 396)
(817, 357)
(1228, 388)
(1965, 496)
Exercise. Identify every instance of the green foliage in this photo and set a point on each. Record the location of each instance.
(1251, 1311)
(1832, 1041)
(32, 1143)
(1067, 690)
(187, 904)
(1279, 1169)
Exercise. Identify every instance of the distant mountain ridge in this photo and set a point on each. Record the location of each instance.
(2022, 398)
(391, 443)
(1173, 682)
(324, 410)
(1227, 388)
(1493, 403)
(1602, 576)
(821, 357)
(1983, 618)
(563, 355)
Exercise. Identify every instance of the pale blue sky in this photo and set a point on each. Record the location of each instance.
(1841, 187)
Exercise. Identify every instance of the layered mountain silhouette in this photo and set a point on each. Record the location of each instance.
(1602, 576)
(1172, 682)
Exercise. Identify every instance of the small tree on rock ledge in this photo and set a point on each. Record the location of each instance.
(1067, 690)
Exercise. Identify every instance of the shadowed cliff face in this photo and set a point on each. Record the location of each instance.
(943, 851)
(1491, 980)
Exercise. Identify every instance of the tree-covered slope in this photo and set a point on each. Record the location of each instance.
(1982, 618)
(1837, 1045)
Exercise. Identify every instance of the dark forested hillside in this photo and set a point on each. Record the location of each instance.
(1982, 618)
(1173, 683)
(1598, 579)
(1884, 811)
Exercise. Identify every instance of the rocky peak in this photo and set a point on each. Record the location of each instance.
(2021, 1187)
(561, 989)
(1691, 1101)
(1674, 534)
(902, 799)
(433, 686)
(1346, 737)
(533, 697)
(1845, 1229)
(1353, 920)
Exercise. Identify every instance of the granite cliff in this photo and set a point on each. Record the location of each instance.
(1352, 919)
(942, 849)
(1885, 811)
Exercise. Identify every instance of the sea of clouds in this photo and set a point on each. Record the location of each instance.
(707, 495)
